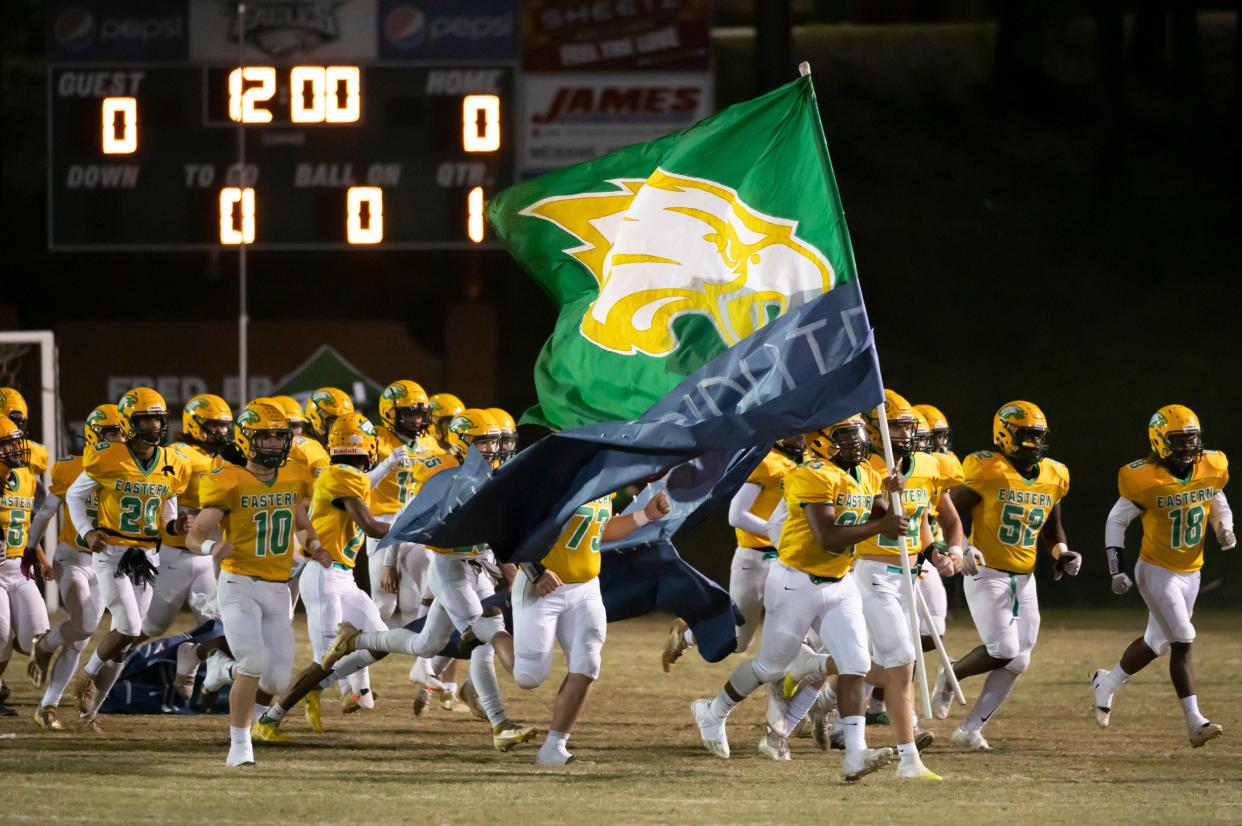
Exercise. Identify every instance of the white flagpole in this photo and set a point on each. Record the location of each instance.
(925, 613)
(804, 69)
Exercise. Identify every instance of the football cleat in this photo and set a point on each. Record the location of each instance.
(219, 672)
(313, 710)
(773, 746)
(507, 734)
(804, 665)
(711, 729)
(970, 740)
(449, 701)
(1102, 687)
(859, 764)
(90, 725)
(553, 757)
(187, 669)
(923, 740)
(240, 755)
(942, 695)
(916, 771)
(267, 731)
(40, 662)
(346, 638)
(803, 731)
(675, 645)
(778, 707)
(83, 693)
(362, 701)
(471, 698)
(45, 716)
(1205, 732)
(424, 683)
(877, 718)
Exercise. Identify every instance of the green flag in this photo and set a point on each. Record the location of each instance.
(663, 254)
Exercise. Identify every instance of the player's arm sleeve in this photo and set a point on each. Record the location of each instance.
(1119, 518)
(169, 512)
(76, 498)
(739, 510)
(1222, 515)
(46, 511)
(377, 474)
(776, 523)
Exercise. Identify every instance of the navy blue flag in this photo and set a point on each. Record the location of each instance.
(811, 367)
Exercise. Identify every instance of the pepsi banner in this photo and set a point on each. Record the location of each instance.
(107, 30)
(448, 30)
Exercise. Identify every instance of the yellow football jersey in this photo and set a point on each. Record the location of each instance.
(259, 517)
(201, 463)
(308, 453)
(1005, 524)
(337, 532)
(16, 508)
(850, 493)
(38, 457)
(132, 493)
(1175, 512)
(924, 480)
(768, 477)
(65, 473)
(392, 492)
(575, 556)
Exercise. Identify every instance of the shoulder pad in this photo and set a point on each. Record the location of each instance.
(982, 454)
(100, 447)
(1136, 464)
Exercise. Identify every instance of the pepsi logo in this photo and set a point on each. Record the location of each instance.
(75, 29)
(405, 27)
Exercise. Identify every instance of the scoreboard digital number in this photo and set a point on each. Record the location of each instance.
(336, 156)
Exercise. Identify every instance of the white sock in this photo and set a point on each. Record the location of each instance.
(275, 712)
(260, 709)
(996, 689)
(93, 664)
(239, 736)
(483, 677)
(688, 636)
(908, 753)
(555, 742)
(62, 673)
(876, 706)
(347, 665)
(744, 681)
(438, 663)
(1190, 707)
(359, 681)
(800, 704)
(1117, 676)
(450, 688)
(854, 729)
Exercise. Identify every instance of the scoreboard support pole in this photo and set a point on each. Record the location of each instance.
(243, 315)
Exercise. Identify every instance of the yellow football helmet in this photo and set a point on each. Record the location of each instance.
(353, 434)
(899, 413)
(922, 432)
(208, 420)
(405, 409)
(140, 406)
(325, 405)
(14, 449)
(444, 406)
(941, 440)
(1020, 430)
(262, 435)
(99, 422)
(292, 410)
(845, 442)
(474, 427)
(1174, 434)
(13, 405)
(508, 432)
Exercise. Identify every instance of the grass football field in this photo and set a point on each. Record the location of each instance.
(639, 756)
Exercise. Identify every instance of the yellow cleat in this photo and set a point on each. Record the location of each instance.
(91, 725)
(506, 735)
(917, 772)
(267, 732)
(314, 713)
(84, 693)
(675, 645)
(45, 716)
(789, 687)
(40, 664)
(344, 643)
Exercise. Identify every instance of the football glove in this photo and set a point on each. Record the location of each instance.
(971, 560)
(135, 565)
(1121, 584)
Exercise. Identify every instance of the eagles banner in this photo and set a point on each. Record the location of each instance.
(664, 254)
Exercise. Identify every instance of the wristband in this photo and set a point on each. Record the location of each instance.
(1114, 560)
(205, 548)
(641, 519)
(954, 550)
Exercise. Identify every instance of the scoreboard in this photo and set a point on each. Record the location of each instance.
(337, 154)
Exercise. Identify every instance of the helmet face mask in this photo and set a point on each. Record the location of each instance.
(412, 422)
(940, 440)
(851, 443)
(791, 446)
(1030, 444)
(14, 449)
(269, 448)
(216, 432)
(150, 428)
(1185, 447)
(901, 433)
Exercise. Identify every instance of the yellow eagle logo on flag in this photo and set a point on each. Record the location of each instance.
(673, 245)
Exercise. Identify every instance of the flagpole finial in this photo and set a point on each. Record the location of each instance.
(804, 68)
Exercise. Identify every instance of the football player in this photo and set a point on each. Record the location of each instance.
(75, 576)
(944, 521)
(323, 407)
(508, 433)
(207, 429)
(462, 582)
(749, 511)
(398, 573)
(23, 615)
(304, 450)
(444, 408)
(1013, 498)
(13, 405)
(136, 483)
(1176, 489)
(834, 501)
(248, 519)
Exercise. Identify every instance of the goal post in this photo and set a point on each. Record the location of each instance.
(16, 349)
